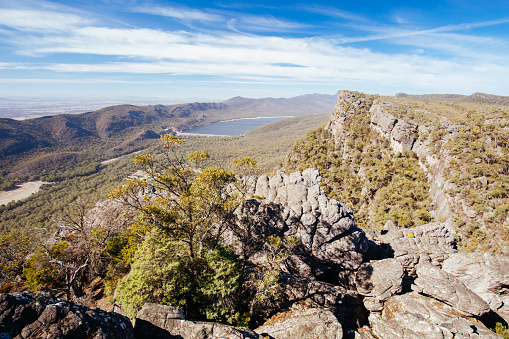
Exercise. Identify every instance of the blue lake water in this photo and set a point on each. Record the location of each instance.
(232, 127)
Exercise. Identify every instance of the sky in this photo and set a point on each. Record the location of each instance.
(220, 49)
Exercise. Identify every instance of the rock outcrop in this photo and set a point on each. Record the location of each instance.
(296, 205)
(166, 322)
(304, 323)
(399, 132)
(39, 315)
(485, 274)
(412, 315)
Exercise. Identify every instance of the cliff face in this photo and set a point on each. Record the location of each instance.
(456, 147)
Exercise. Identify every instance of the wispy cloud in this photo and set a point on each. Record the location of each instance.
(181, 13)
(333, 12)
(40, 21)
(248, 48)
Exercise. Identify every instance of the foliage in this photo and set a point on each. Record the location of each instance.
(163, 271)
(38, 272)
(179, 257)
(13, 251)
(501, 330)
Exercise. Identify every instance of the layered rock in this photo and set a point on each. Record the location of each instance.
(296, 205)
(166, 322)
(399, 132)
(346, 305)
(378, 281)
(38, 315)
(432, 242)
(486, 274)
(412, 315)
(304, 323)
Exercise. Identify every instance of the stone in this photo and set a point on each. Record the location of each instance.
(303, 323)
(486, 274)
(378, 281)
(432, 242)
(39, 315)
(381, 118)
(415, 316)
(300, 208)
(403, 136)
(434, 282)
(346, 305)
(166, 322)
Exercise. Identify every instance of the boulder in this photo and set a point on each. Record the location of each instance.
(432, 242)
(303, 323)
(411, 315)
(166, 322)
(486, 274)
(378, 281)
(296, 205)
(39, 315)
(346, 305)
(437, 283)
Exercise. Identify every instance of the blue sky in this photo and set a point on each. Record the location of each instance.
(217, 50)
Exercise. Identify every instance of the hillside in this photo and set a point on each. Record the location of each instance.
(408, 162)
(362, 245)
(92, 180)
(123, 129)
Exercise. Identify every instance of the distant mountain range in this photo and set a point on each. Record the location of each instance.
(476, 97)
(124, 123)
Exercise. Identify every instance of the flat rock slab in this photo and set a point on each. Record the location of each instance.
(303, 323)
(437, 283)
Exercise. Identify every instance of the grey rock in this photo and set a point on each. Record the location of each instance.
(39, 315)
(486, 274)
(301, 322)
(378, 281)
(346, 305)
(403, 136)
(437, 283)
(299, 207)
(381, 117)
(415, 316)
(166, 322)
(427, 243)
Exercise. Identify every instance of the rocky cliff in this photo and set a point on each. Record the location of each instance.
(466, 167)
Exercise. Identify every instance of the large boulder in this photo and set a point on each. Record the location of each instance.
(486, 274)
(167, 322)
(346, 305)
(437, 283)
(39, 315)
(413, 316)
(304, 323)
(378, 281)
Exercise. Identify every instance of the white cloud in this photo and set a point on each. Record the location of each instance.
(40, 21)
(186, 14)
(459, 62)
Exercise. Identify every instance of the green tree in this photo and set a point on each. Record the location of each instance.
(183, 211)
(178, 254)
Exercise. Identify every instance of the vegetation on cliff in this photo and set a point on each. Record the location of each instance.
(362, 171)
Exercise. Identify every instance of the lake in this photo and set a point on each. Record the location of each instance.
(232, 127)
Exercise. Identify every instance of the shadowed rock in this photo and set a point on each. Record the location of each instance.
(39, 315)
